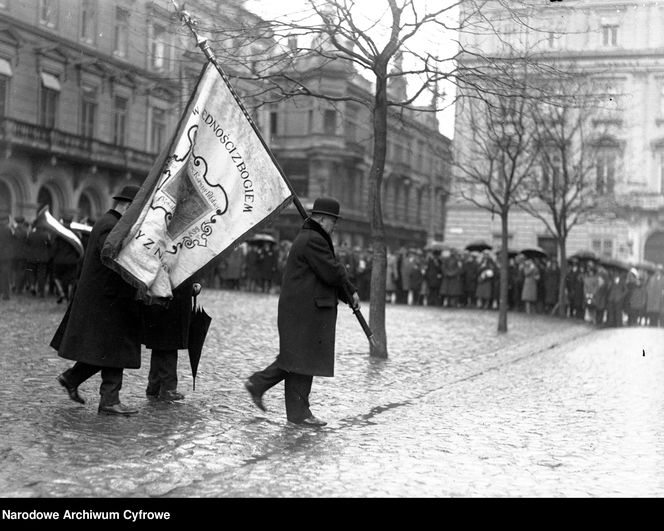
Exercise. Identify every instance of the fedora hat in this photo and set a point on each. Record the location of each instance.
(326, 205)
(127, 193)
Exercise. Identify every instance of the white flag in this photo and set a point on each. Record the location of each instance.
(217, 183)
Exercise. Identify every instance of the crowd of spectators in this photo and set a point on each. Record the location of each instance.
(35, 262)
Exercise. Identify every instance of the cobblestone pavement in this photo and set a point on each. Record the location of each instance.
(552, 408)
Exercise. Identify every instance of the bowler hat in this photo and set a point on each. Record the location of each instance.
(127, 193)
(326, 205)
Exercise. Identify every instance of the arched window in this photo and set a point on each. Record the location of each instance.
(44, 197)
(85, 208)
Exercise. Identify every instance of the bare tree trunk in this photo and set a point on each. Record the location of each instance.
(379, 260)
(504, 274)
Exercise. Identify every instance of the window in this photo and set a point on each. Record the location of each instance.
(158, 129)
(310, 121)
(5, 76)
(4, 89)
(158, 47)
(48, 12)
(330, 122)
(121, 32)
(602, 247)
(274, 123)
(88, 111)
(351, 131)
(606, 168)
(120, 106)
(661, 172)
(48, 104)
(88, 21)
(552, 39)
(610, 34)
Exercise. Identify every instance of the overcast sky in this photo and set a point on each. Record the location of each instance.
(270, 9)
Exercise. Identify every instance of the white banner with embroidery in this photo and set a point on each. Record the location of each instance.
(218, 184)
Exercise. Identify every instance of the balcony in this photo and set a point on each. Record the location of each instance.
(73, 147)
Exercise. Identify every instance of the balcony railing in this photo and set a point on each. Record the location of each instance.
(76, 147)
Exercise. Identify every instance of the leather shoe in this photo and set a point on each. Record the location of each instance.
(118, 409)
(71, 390)
(170, 395)
(313, 422)
(256, 397)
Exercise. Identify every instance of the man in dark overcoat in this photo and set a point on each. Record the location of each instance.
(313, 282)
(165, 331)
(101, 329)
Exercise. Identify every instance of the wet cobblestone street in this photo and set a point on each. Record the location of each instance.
(552, 408)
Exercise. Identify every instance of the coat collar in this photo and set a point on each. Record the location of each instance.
(315, 226)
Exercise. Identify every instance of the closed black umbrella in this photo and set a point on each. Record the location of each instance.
(478, 245)
(198, 329)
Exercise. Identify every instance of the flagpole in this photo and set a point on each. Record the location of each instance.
(205, 48)
(202, 43)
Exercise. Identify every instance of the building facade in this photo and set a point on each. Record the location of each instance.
(326, 148)
(619, 45)
(91, 91)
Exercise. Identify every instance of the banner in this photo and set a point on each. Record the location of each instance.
(45, 219)
(214, 184)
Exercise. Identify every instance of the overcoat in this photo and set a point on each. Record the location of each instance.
(530, 279)
(102, 325)
(313, 282)
(655, 293)
(167, 327)
(451, 284)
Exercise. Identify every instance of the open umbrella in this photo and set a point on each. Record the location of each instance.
(584, 256)
(646, 265)
(198, 329)
(261, 238)
(436, 246)
(534, 252)
(478, 246)
(511, 253)
(614, 263)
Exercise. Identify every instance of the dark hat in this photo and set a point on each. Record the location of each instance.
(327, 206)
(127, 193)
(4, 217)
(19, 219)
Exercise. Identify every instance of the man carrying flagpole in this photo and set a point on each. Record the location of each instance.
(313, 282)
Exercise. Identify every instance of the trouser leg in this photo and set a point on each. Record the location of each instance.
(268, 377)
(163, 374)
(80, 372)
(154, 382)
(296, 389)
(111, 383)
